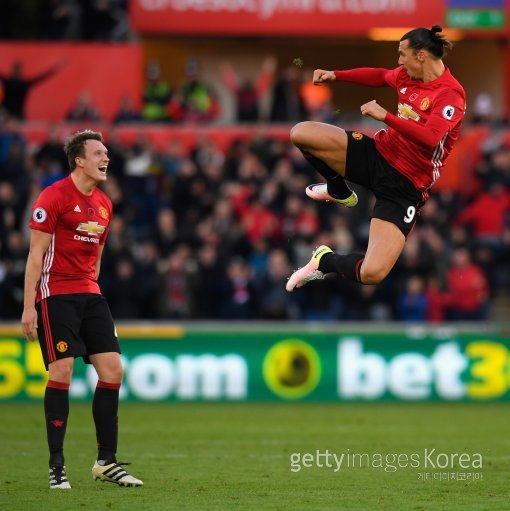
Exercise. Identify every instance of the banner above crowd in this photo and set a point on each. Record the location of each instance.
(281, 17)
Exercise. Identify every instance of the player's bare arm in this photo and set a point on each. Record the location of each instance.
(39, 243)
(98, 262)
(374, 110)
(321, 76)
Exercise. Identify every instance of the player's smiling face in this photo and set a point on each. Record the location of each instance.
(95, 162)
(411, 61)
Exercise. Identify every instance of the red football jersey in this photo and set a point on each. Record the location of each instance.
(421, 135)
(440, 105)
(78, 224)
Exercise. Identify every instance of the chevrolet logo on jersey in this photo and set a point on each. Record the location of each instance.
(406, 112)
(91, 228)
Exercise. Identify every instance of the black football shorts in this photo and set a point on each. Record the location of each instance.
(75, 325)
(397, 200)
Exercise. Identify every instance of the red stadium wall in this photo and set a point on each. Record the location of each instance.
(106, 71)
(160, 135)
(506, 78)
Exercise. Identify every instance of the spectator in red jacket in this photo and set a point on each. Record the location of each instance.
(467, 288)
(437, 301)
(259, 221)
(487, 214)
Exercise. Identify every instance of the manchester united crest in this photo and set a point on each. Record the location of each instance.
(357, 135)
(62, 346)
(424, 104)
(103, 213)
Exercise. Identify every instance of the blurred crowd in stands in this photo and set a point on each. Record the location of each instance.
(291, 93)
(211, 234)
(292, 96)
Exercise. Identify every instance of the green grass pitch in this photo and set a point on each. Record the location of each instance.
(237, 456)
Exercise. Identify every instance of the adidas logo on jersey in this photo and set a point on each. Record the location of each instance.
(403, 90)
(77, 209)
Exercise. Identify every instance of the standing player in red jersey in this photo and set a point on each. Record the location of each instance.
(400, 164)
(69, 225)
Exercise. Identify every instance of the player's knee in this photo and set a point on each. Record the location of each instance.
(299, 133)
(115, 373)
(61, 370)
(373, 274)
(110, 371)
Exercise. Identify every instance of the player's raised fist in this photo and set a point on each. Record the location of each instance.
(320, 76)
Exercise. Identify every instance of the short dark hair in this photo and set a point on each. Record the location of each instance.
(75, 146)
(428, 39)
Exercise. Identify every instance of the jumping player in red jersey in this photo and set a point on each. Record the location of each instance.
(69, 225)
(400, 164)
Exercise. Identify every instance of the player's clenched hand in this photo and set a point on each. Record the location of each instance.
(29, 323)
(372, 109)
(320, 76)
